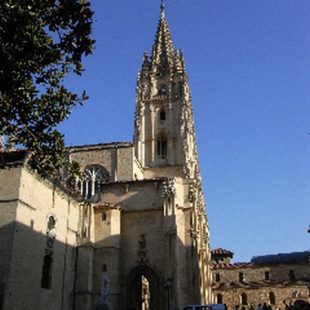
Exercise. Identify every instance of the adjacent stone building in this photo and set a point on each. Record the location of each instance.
(134, 235)
(277, 280)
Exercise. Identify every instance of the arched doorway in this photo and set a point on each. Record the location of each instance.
(143, 289)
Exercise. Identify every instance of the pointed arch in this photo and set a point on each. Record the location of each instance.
(136, 280)
(91, 180)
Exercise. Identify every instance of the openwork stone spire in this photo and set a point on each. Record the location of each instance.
(163, 50)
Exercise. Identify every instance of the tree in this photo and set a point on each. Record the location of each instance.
(41, 42)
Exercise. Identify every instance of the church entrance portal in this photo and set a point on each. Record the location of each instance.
(143, 289)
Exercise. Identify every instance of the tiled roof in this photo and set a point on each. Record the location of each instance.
(220, 251)
(12, 157)
(230, 266)
(282, 258)
(100, 146)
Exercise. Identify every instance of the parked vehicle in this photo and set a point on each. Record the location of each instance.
(206, 307)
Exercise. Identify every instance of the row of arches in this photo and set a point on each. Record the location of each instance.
(90, 182)
(244, 298)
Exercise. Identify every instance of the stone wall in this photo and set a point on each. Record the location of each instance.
(272, 284)
(35, 201)
(257, 273)
(9, 185)
(282, 295)
(116, 158)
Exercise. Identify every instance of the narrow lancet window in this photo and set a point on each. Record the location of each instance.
(244, 299)
(162, 147)
(46, 280)
(162, 115)
(272, 298)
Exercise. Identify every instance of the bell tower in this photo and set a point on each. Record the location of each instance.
(164, 127)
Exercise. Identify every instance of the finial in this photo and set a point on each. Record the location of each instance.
(162, 8)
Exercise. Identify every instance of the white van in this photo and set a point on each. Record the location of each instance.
(206, 307)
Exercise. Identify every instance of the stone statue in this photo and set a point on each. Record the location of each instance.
(104, 302)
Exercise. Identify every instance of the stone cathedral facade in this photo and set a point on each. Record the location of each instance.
(136, 236)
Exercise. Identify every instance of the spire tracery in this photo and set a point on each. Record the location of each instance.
(163, 49)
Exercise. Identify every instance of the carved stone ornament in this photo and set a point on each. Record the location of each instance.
(192, 192)
(50, 233)
(194, 233)
(205, 235)
(171, 232)
(168, 188)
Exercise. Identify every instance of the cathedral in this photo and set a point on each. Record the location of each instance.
(134, 234)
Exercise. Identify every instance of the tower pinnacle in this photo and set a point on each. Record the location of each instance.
(162, 9)
(163, 50)
(165, 143)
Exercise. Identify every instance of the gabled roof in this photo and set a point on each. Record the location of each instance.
(222, 252)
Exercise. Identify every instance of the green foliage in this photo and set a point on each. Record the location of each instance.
(41, 41)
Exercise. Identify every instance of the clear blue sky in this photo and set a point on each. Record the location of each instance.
(248, 63)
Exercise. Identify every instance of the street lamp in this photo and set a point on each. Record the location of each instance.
(167, 286)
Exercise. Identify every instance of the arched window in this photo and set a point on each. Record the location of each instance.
(217, 277)
(161, 147)
(162, 90)
(291, 275)
(51, 224)
(46, 280)
(51, 232)
(241, 277)
(267, 275)
(162, 115)
(219, 298)
(272, 298)
(92, 179)
(244, 299)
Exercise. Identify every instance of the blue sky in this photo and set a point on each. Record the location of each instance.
(248, 63)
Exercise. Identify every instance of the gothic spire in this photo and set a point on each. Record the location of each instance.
(163, 49)
(162, 9)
